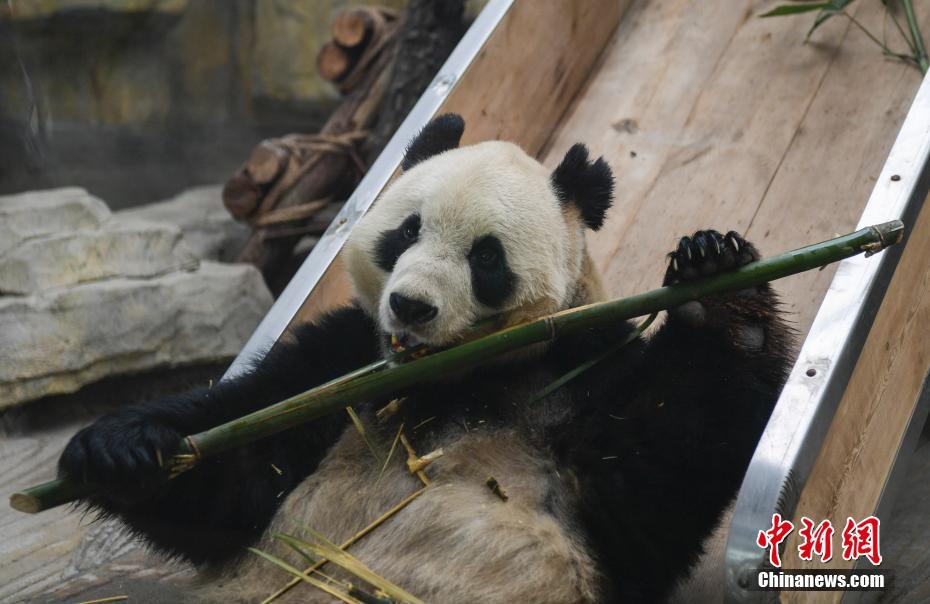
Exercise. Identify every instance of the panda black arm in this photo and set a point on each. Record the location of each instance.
(225, 502)
(673, 421)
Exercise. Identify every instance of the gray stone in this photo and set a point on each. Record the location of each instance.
(39, 213)
(117, 249)
(58, 340)
(209, 231)
(96, 294)
(51, 8)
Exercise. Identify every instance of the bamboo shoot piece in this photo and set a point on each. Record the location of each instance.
(380, 380)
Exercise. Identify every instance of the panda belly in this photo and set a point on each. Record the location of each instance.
(456, 542)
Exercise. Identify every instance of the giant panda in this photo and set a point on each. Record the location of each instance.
(602, 490)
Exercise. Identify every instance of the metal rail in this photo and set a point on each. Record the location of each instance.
(326, 250)
(783, 460)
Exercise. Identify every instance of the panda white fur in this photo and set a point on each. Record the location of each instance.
(611, 481)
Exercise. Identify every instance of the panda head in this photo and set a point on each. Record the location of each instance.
(467, 233)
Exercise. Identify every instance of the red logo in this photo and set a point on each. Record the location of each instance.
(859, 539)
(816, 540)
(773, 537)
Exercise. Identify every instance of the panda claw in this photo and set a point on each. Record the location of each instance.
(696, 256)
(734, 243)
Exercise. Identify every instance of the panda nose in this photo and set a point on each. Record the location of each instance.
(411, 311)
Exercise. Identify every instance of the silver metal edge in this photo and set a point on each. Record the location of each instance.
(326, 250)
(792, 439)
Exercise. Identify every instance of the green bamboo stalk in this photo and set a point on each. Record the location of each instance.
(379, 381)
(916, 37)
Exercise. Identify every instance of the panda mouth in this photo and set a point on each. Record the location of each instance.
(403, 341)
(407, 342)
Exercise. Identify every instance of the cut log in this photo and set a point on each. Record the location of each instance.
(358, 26)
(382, 39)
(266, 162)
(240, 196)
(324, 174)
(333, 62)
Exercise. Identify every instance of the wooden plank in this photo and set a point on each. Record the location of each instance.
(332, 291)
(713, 117)
(830, 167)
(694, 112)
(532, 68)
(636, 107)
(35, 550)
(854, 463)
(516, 89)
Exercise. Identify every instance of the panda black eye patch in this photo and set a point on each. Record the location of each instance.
(491, 277)
(392, 244)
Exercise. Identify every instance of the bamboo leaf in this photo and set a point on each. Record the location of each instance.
(796, 9)
(302, 552)
(822, 18)
(324, 548)
(836, 8)
(575, 372)
(390, 454)
(305, 577)
(363, 432)
(917, 37)
(368, 598)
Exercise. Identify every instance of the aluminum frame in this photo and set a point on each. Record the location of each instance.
(325, 251)
(795, 432)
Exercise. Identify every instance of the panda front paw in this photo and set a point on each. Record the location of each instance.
(741, 314)
(122, 455)
(708, 253)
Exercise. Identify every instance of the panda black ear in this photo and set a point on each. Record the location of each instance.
(441, 134)
(589, 185)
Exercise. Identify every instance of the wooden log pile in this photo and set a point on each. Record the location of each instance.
(358, 36)
(290, 187)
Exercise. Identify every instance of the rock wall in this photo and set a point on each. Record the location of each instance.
(208, 229)
(138, 61)
(86, 294)
(136, 100)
